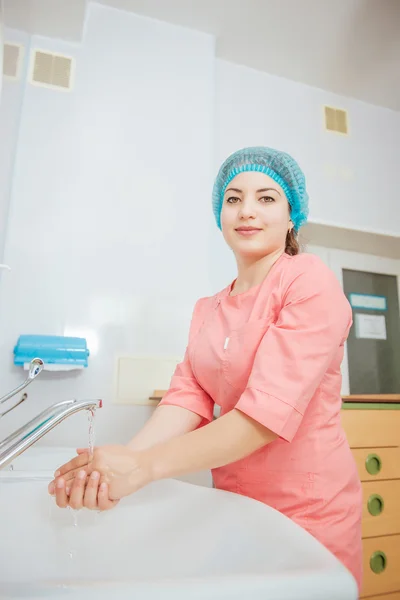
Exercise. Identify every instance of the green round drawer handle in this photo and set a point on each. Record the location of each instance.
(373, 464)
(375, 505)
(378, 562)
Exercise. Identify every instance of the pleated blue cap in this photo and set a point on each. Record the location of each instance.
(281, 167)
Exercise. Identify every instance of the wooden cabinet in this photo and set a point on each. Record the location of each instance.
(373, 432)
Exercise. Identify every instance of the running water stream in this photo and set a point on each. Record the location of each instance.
(91, 417)
(91, 441)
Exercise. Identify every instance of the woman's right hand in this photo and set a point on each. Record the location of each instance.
(84, 491)
(73, 486)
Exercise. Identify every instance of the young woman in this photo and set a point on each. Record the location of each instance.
(267, 350)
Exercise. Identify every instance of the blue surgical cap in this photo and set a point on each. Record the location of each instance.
(281, 167)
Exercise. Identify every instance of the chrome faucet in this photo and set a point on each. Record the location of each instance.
(24, 437)
(35, 368)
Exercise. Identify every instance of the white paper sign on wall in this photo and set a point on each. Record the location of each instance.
(370, 327)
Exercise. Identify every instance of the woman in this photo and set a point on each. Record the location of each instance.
(267, 350)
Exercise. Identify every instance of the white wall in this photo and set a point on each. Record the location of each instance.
(10, 113)
(352, 180)
(1, 44)
(110, 211)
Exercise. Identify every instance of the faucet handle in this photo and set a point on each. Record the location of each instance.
(36, 366)
(22, 399)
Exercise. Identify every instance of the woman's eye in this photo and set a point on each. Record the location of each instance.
(267, 199)
(232, 200)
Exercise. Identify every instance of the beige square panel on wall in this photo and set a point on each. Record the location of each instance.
(138, 377)
(51, 70)
(12, 60)
(336, 120)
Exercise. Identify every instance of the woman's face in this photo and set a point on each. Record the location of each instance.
(255, 216)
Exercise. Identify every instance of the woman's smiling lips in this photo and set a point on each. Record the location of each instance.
(247, 231)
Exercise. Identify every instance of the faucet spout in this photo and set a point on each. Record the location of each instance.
(24, 437)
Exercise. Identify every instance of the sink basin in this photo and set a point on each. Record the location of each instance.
(38, 461)
(170, 541)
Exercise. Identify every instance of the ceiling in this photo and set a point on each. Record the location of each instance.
(62, 19)
(351, 47)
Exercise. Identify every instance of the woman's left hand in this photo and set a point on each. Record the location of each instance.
(113, 472)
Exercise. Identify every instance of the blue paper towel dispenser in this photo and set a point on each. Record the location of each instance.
(59, 353)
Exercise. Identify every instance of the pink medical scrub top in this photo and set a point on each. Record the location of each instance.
(274, 352)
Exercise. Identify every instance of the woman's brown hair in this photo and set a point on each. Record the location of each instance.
(292, 245)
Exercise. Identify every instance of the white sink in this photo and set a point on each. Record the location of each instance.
(170, 541)
(38, 461)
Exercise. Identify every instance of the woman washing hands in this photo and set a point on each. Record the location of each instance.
(118, 471)
(267, 350)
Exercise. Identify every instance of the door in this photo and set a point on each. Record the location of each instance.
(372, 355)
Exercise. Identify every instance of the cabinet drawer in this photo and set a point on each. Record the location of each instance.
(381, 560)
(381, 508)
(395, 596)
(371, 428)
(377, 463)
